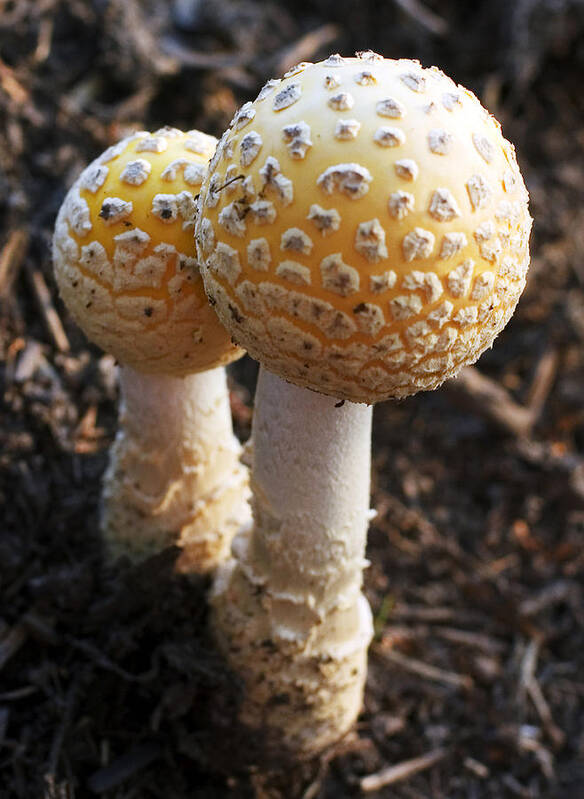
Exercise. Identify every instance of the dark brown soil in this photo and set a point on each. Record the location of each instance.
(109, 685)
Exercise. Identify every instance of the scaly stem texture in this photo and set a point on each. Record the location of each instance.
(289, 611)
(174, 475)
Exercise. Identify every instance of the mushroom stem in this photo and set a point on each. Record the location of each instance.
(289, 611)
(174, 475)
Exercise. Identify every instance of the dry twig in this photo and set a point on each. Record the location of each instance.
(491, 400)
(11, 259)
(430, 615)
(11, 643)
(306, 47)
(50, 315)
(402, 771)
(124, 767)
(424, 16)
(528, 683)
(543, 380)
(488, 398)
(61, 730)
(425, 670)
(481, 641)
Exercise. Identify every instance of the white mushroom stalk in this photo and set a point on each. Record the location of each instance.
(363, 232)
(174, 476)
(289, 610)
(126, 266)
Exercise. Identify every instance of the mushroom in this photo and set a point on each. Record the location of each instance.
(374, 242)
(125, 263)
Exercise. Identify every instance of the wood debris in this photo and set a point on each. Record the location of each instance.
(402, 771)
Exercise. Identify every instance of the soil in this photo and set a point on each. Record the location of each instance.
(109, 683)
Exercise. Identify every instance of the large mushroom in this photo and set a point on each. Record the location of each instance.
(363, 232)
(125, 263)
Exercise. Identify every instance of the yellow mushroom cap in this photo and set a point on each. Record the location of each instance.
(125, 259)
(363, 227)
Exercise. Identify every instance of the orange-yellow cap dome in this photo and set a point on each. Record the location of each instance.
(363, 227)
(125, 260)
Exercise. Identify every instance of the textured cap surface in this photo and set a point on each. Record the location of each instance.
(364, 227)
(125, 259)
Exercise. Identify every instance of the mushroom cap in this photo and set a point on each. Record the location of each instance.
(363, 227)
(125, 259)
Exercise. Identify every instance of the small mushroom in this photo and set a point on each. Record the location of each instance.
(423, 266)
(126, 266)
